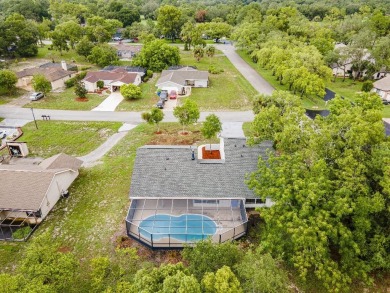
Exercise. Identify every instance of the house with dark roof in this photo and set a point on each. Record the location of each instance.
(178, 196)
(63, 65)
(56, 74)
(29, 192)
(183, 79)
(126, 51)
(382, 88)
(113, 79)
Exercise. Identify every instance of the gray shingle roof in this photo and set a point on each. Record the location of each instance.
(383, 84)
(180, 76)
(170, 172)
(23, 187)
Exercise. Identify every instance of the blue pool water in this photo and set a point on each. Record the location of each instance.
(186, 228)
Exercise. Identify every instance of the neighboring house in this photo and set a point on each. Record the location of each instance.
(130, 69)
(183, 79)
(63, 65)
(56, 74)
(177, 199)
(113, 79)
(126, 52)
(346, 67)
(28, 192)
(382, 88)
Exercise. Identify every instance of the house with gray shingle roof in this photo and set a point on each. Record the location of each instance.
(56, 75)
(178, 197)
(382, 88)
(183, 79)
(29, 192)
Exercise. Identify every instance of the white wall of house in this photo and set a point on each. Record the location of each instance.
(385, 95)
(61, 182)
(169, 86)
(201, 83)
(137, 80)
(90, 86)
(59, 83)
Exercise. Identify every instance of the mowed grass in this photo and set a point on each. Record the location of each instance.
(90, 220)
(8, 97)
(72, 138)
(148, 100)
(228, 90)
(347, 88)
(66, 100)
(69, 56)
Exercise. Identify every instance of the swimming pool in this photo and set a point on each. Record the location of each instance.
(186, 227)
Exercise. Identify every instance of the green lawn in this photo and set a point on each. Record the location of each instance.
(8, 97)
(66, 100)
(90, 220)
(346, 89)
(69, 56)
(148, 100)
(228, 90)
(72, 138)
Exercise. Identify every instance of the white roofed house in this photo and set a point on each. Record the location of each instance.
(382, 88)
(29, 192)
(182, 79)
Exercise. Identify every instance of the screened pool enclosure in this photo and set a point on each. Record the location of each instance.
(172, 223)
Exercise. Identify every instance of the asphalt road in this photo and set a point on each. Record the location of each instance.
(258, 82)
(128, 117)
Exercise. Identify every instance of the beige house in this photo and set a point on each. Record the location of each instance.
(28, 193)
(113, 80)
(382, 88)
(56, 75)
(183, 79)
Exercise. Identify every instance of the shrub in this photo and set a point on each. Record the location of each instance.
(149, 73)
(131, 91)
(72, 81)
(367, 86)
(215, 70)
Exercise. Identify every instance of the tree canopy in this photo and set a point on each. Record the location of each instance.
(330, 182)
(157, 55)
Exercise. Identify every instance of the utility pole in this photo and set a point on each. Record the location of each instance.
(35, 121)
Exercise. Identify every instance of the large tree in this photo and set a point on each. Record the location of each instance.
(19, 37)
(330, 182)
(157, 55)
(169, 21)
(103, 55)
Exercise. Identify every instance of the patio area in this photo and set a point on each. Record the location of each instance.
(172, 223)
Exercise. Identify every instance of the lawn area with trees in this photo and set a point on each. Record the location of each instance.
(66, 100)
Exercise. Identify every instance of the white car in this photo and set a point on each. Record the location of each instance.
(36, 96)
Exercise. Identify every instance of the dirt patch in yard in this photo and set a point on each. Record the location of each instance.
(165, 137)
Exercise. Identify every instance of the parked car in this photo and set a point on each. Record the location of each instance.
(385, 102)
(173, 95)
(164, 95)
(160, 104)
(117, 39)
(3, 134)
(36, 96)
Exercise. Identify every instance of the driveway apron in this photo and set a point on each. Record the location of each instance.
(110, 103)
